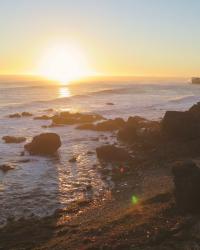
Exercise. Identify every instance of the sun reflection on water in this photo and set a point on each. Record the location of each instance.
(64, 92)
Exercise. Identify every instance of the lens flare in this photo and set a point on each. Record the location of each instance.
(134, 200)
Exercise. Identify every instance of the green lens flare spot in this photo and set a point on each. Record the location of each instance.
(134, 200)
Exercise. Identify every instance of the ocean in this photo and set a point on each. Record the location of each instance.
(44, 184)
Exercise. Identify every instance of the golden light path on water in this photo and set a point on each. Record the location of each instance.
(64, 92)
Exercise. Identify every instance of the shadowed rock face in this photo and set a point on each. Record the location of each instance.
(182, 125)
(187, 186)
(112, 153)
(138, 128)
(44, 144)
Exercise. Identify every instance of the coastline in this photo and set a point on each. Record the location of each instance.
(152, 221)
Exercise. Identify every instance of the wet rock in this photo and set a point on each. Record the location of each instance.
(112, 153)
(13, 139)
(90, 153)
(137, 127)
(110, 103)
(6, 167)
(26, 114)
(73, 159)
(180, 125)
(108, 125)
(187, 186)
(43, 117)
(44, 144)
(67, 118)
(16, 115)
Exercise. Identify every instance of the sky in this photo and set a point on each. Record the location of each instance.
(118, 37)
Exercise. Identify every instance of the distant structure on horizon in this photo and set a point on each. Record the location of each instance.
(196, 80)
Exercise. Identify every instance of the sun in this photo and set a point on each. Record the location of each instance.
(64, 63)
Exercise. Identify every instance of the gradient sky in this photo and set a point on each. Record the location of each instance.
(119, 37)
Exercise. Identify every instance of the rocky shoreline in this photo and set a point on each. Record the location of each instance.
(155, 202)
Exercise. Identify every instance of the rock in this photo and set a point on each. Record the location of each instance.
(24, 161)
(13, 139)
(195, 110)
(67, 118)
(90, 153)
(108, 125)
(180, 125)
(26, 114)
(6, 167)
(137, 127)
(87, 126)
(73, 159)
(110, 103)
(43, 117)
(112, 153)
(16, 115)
(49, 110)
(44, 144)
(187, 186)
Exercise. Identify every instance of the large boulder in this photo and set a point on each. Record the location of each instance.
(187, 186)
(180, 125)
(44, 144)
(112, 153)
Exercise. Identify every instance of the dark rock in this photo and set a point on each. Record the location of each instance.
(180, 125)
(110, 103)
(44, 144)
(90, 152)
(24, 161)
(109, 125)
(6, 167)
(43, 117)
(67, 118)
(73, 159)
(13, 139)
(26, 114)
(187, 186)
(16, 115)
(195, 110)
(137, 127)
(44, 126)
(112, 153)
(87, 126)
(49, 110)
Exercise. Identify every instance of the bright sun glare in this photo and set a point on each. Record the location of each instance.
(64, 64)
